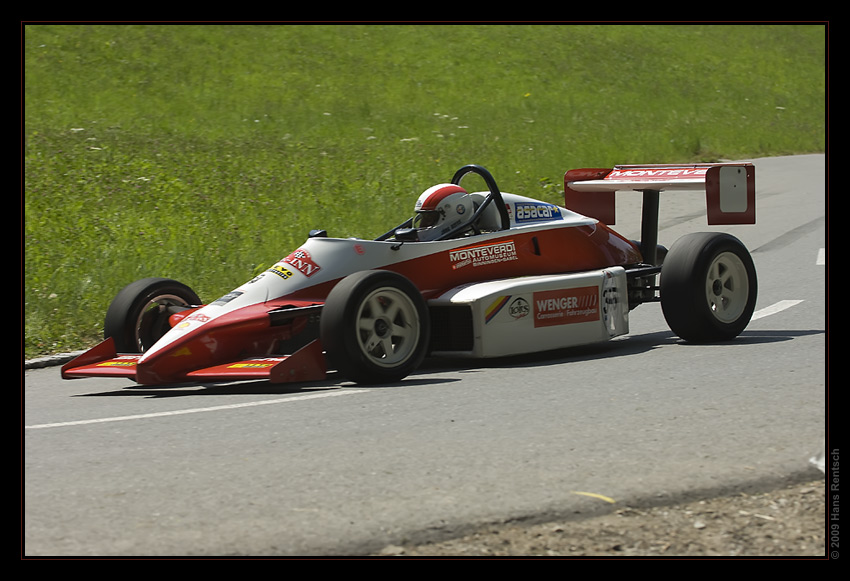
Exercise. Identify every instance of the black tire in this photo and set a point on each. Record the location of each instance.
(138, 315)
(375, 327)
(708, 287)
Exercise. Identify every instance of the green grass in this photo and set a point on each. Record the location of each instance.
(206, 152)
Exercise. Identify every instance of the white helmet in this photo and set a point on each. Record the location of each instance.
(441, 208)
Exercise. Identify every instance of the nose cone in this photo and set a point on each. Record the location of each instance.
(174, 361)
(245, 332)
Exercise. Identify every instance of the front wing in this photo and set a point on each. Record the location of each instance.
(306, 364)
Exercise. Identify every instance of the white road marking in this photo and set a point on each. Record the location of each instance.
(821, 259)
(773, 309)
(198, 410)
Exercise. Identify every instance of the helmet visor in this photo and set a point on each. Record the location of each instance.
(426, 218)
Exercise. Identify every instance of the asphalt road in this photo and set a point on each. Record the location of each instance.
(254, 469)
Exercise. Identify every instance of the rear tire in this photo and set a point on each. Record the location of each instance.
(708, 287)
(375, 327)
(138, 315)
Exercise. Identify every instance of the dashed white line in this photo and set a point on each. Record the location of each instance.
(197, 410)
(773, 309)
(821, 259)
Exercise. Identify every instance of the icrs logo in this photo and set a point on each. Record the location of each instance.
(519, 308)
(536, 212)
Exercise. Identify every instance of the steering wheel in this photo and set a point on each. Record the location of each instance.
(494, 197)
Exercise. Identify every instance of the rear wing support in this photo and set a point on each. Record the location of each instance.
(730, 193)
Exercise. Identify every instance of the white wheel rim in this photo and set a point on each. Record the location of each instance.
(387, 327)
(727, 287)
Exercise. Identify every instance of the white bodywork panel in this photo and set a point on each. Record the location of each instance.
(531, 314)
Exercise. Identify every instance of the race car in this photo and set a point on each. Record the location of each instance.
(471, 274)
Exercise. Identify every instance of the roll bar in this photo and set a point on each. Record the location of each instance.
(494, 196)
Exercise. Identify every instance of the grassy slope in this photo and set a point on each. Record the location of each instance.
(205, 153)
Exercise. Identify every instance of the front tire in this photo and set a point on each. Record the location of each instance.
(708, 287)
(375, 327)
(138, 315)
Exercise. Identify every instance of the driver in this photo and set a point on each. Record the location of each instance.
(442, 208)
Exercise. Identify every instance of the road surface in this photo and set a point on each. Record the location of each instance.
(255, 469)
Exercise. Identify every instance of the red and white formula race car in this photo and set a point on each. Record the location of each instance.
(481, 274)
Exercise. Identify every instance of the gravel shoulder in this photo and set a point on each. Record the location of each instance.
(788, 522)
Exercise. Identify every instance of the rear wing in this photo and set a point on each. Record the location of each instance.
(730, 193)
(730, 188)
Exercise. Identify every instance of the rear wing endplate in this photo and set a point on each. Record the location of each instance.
(730, 191)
